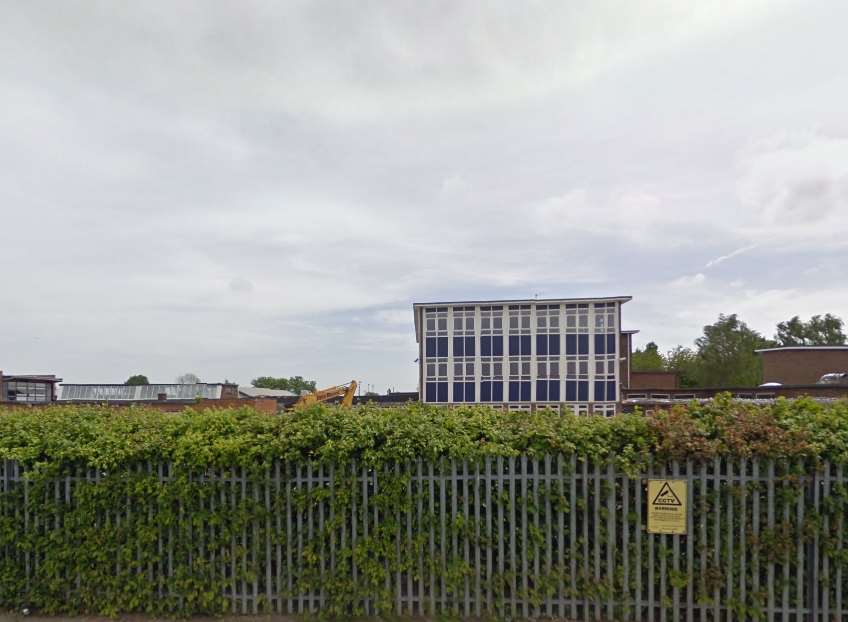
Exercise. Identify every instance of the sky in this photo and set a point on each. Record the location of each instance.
(245, 188)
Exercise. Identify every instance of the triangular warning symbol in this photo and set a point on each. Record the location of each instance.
(666, 496)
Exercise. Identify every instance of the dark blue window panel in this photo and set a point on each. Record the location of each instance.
(525, 391)
(525, 344)
(443, 347)
(497, 346)
(553, 390)
(497, 392)
(458, 349)
(571, 344)
(514, 391)
(514, 345)
(431, 346)
(583, 391)
(469, 392)
(458, 391)
(486, 346)
(431, 392)
(610, 344)
(469, 346)
(542, 391)
(443, 389)
(541, 345)
(485, 391)
(582, 344)
(611, 391)
(553, 345)
(570, 390)
(600, 344)
(600, 391)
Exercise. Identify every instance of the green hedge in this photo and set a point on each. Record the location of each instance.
(95, 544)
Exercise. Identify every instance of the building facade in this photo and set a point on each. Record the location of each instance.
(522, 354)
(28, 389)
(802, 365)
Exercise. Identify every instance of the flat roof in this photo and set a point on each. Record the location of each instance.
(783, 348)
(30, 378)
(520, 301)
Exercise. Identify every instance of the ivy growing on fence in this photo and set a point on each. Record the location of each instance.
(421, 510)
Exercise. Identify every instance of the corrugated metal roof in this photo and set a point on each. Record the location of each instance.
(261, 392)
(147, 392)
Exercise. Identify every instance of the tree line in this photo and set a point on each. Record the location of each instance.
(724, 355)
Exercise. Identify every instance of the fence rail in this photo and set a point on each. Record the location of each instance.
(557, 536)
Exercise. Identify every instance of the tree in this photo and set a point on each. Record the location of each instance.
(685, 362)
(648, 359)
(137, 380)
(188, 378)
(818, 331)
(726, 354)
(295, 384)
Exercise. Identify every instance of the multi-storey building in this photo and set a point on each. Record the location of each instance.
(523, 353)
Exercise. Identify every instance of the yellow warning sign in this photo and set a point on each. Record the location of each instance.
(667, 506)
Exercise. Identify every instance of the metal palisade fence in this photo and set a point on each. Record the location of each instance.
(556, 536)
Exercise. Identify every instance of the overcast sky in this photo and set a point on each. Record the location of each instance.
(241, 188)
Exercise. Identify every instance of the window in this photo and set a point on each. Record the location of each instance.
(519, 330)
(605, 314)
(28, 392)
(491, 380)
(463, 380)
(491, 331)
(463, 331)
(577, 318)
(436, 332)
(576, 378)
(605, 410)
(604, 378)
(519, 407)
(519, 379)
(547, 330)
(547, 379)
(436, 386)
(579, 409)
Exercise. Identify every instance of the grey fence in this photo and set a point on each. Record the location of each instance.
(558, 536)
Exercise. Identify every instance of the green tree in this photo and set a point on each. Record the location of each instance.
(648, 359)
(818, 331)
(137, 380)
(726, 354)
(295, 384)
(684, 361)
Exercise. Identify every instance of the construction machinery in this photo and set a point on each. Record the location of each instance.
(345, 391)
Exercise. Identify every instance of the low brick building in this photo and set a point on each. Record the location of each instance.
(802, 365)
(654, 380)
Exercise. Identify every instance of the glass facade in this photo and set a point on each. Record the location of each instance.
(562, 355)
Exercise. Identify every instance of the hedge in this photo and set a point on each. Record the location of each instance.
(81, 535)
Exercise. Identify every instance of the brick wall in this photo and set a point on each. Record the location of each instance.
(802, 366)
(654, 380)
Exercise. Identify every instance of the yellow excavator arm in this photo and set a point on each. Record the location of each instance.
(345, 391)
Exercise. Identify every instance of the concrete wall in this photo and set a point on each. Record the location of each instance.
(801, 367)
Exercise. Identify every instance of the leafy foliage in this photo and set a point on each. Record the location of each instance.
(726, 354)
(648, 359)
(818, 331)
(295, 384)
(95, 556)
(137, 380)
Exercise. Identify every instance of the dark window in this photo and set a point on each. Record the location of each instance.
(583, 391)
(486, 346)
(431, 346)
(541, 345)
(431, 392)
(443, 346)
(600, 391)
(469, 392)
(443, 390)
(553, 390)
(582, 344)
(514, 345)
(485, 391)
(610, 344)
(497, 346)
(571, 344)
(553, 345)
(458, 349)
(525, 391)
(600, 344)
(525, 345)
(497, 392)
(514, 391)
(570, 390)
(458, 392)
(611, 391)
(542, 391)
(469, 346)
